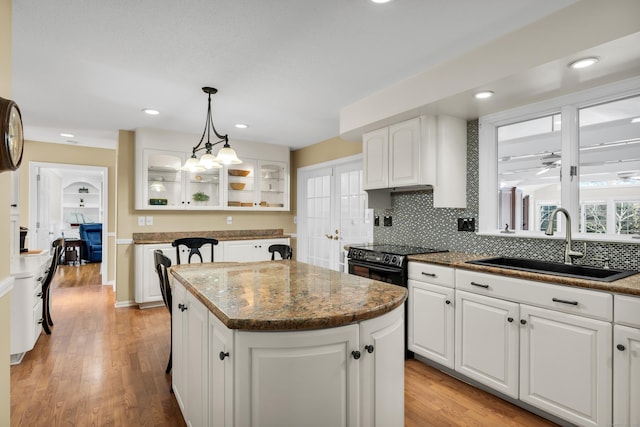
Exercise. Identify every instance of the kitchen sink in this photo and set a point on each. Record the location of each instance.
(555, 268)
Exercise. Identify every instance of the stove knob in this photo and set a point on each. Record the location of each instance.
(360, 254)
(385, 259)
(394, 260)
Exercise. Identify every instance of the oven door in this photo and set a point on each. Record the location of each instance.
(383, 273)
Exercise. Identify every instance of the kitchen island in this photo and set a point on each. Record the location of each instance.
(286, 343)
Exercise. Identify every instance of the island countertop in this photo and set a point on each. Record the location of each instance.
(286, 295)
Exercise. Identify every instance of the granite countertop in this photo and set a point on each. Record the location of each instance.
(629, 285)
(168, 237)
(286, 295)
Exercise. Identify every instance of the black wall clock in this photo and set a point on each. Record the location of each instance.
(12, 143)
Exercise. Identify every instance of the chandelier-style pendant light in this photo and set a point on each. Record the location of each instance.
(226, 155)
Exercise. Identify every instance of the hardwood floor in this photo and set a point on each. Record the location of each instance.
(104, 366)
(71, 276)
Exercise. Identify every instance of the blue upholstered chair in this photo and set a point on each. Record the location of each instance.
(91, 235)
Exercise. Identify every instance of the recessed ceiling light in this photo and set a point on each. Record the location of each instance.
(241, 126)
(67, 135)
(484, 94)
(151, 111)
(635, 120)
(583, 62)
(380, 1)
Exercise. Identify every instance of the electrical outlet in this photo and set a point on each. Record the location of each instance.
(229, 220)
(141, 221)
(388, 221)
(466, 224)
(149, 220)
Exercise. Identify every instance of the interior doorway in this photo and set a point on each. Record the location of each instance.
(63, 196)
(332, 212)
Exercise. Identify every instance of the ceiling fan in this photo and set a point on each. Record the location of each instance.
(549, 162)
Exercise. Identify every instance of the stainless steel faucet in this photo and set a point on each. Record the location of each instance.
(569, 253)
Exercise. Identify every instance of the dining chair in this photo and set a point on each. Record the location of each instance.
(284, 251)
(163, 263)
(57, 247)
(194, 244)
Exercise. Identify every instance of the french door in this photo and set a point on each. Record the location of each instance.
(332, 212)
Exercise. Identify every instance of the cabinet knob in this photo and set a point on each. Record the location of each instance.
(522, 321)
(39, 294)
(223, 354)
(369, 348)
(182, 307)
(621, 347)
(40, 321)
(447, 301)
(509, 319)
(355, 354)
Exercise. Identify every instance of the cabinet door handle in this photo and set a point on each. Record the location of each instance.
(14, 205)
(39, 294)
(223, 354)
(40, 321)
(39, 279)
(522, 321)
(447, 301)
(564, 301)
(369, 348)
(621, 347)
(510, 319)
(355, 354)
(182, 307)
(429, 274)
(480, 285)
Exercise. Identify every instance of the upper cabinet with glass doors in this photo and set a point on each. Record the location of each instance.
(167, 186)
(258, 183)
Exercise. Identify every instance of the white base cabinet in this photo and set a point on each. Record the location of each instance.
(556, 356)
(250, 250)
(345, 376)
(431, 312)
(626, 361)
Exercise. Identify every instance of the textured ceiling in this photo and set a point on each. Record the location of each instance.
(284, 67)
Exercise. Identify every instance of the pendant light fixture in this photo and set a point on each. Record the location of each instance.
(226, 155)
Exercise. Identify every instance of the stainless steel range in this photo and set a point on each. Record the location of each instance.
(386, 263)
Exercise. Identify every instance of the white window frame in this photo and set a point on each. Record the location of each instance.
(568, 105)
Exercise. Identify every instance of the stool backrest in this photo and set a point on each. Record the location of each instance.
(162, 268)
(284, 251)
(194, 244)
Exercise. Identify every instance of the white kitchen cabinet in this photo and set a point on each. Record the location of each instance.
(487, 341)
(147, 286)
(265, 187)
(319, 388)
(190, 356)
(563, 361)
(26, 303)
(164, 185)
(626, 361)
(382, 370)
(221, 361)
(565, 365)
(250, 250)
(397, 156)
(431, 312)
(423, 152)
(161, 184)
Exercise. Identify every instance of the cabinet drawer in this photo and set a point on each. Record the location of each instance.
(568, 299)
(627, 310)
(37, 323)
(435, 274)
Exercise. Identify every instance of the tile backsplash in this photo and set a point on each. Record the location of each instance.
(417, 222)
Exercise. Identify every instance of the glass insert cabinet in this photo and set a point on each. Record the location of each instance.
(252, 185)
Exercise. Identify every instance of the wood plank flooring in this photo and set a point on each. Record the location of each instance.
(104, 366)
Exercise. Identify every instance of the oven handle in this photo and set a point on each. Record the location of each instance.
(375, 267)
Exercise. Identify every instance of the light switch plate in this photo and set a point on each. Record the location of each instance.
(149, 220)
(141, 221)
(229, 220)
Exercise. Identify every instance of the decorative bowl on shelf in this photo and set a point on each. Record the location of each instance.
(230, 203)
(239, 172)
(237, 185)
(246, 204)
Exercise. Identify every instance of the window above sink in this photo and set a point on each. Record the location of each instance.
(580, 151)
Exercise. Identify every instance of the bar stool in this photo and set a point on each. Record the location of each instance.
(57, 249)
(284, 251)
(162, 266)
(194, 244)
